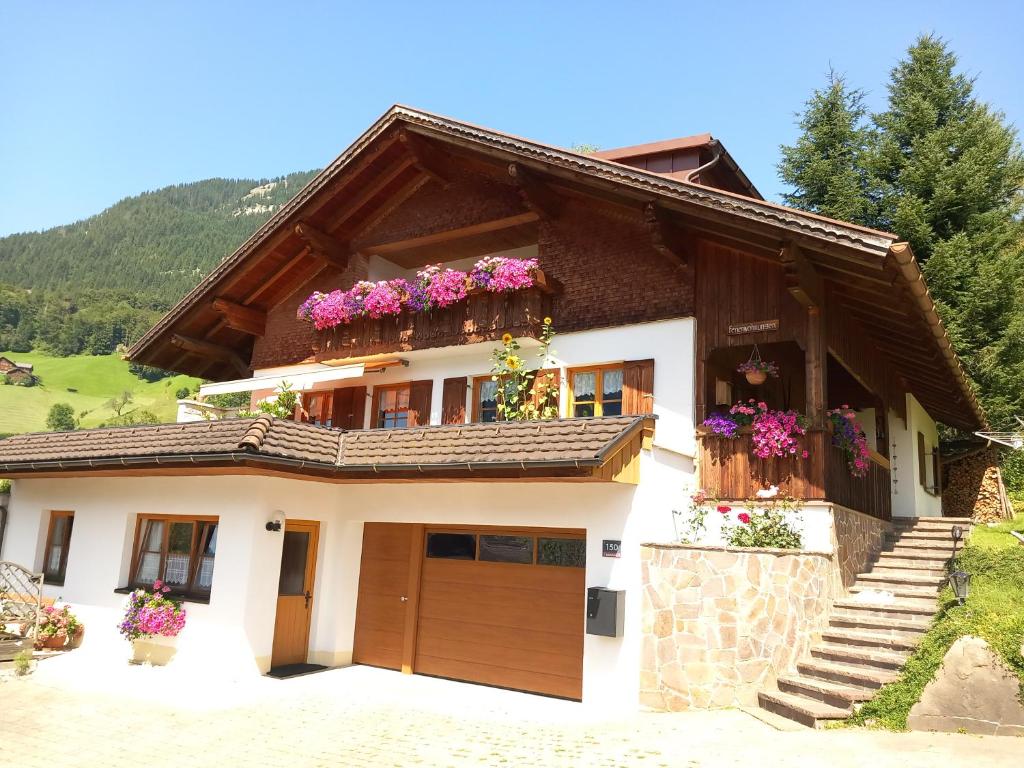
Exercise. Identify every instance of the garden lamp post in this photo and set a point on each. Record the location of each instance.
(959, 580)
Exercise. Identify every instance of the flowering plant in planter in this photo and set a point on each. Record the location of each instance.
(434, 288)
(848, 436)
(152, 613)
(56, 625)
(775, 433)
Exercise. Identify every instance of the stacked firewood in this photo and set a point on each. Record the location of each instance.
(973, 487)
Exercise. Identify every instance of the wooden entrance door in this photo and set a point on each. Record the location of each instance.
(388, 595)
(295, 593)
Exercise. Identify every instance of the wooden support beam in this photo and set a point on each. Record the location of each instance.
(428, 159)
(213, 351)
(816, 370)
(240, 317)
(323, 246)
(285, 275)
(666, 237)
(802, 281)
(381, 181)
(448, 235)
(535, 194)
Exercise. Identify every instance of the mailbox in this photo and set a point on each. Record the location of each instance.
(605, 611)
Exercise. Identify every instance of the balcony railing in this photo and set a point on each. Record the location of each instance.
(483, 316)
(729, 469)
(871, 494)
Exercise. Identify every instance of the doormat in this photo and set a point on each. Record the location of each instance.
(294, 670)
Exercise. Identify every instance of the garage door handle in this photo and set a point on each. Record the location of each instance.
(404, 599)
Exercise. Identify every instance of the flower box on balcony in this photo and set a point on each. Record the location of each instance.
(482, 316)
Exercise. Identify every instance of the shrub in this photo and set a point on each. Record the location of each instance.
(5, 485)
(61, 418)
(767, 528)
(229, 400)
(22, 663)
(182, 393)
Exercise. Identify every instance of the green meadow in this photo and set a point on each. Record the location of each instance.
(87, 383)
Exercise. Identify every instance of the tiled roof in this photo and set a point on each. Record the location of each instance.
(566, 442)
(526, 442)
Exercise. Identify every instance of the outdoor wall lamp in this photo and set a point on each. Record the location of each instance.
(274, 525)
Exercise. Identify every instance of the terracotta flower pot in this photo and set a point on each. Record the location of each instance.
(53, 643)
(757, 377)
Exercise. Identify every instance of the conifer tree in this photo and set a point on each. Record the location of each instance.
(944, 172)
(826, 166)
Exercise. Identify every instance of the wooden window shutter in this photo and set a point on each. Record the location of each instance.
(453, 400)
(375, 408)
(922, 461)
(348, 409)
(638, 387)
(420, 393)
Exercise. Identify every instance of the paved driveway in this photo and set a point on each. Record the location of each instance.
(68, 715)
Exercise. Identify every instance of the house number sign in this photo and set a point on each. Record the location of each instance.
(740, 329)
(611, 548)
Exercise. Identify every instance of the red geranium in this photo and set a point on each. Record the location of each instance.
(723, 509)
(744, 518)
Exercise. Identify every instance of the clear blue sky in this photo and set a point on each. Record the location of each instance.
(102, 100)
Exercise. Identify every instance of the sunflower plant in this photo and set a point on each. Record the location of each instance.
(525, 393)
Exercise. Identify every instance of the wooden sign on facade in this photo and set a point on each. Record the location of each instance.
(740, 329)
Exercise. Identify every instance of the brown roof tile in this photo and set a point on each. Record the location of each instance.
(581, 442)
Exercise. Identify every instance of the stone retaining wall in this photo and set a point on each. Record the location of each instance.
(857, 540)
(722, 623)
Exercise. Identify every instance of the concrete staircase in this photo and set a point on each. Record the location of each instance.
(867, 642)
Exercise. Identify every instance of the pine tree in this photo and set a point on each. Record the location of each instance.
(951, 171)
(826, 166)
(945, 160)
(944, 172)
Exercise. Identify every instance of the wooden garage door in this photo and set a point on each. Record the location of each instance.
(503, 607)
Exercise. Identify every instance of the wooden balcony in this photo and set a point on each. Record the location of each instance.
(483, 316)
(729, 469)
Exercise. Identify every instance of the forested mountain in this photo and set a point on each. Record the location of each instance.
(100, 282)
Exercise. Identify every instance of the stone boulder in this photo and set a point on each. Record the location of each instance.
(973, 691)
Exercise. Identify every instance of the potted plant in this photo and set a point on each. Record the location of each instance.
(151, 622)
(57, 626)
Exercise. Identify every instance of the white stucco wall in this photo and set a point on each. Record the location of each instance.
(909, 497)
(233, 634)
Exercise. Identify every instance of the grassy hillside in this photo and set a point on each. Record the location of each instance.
(95, 379)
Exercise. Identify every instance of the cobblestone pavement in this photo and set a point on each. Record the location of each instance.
(367, 717)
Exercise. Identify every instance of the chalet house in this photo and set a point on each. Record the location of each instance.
(16, 373)
(400, 521)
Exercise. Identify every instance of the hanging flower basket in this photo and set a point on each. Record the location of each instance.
(757, 370)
